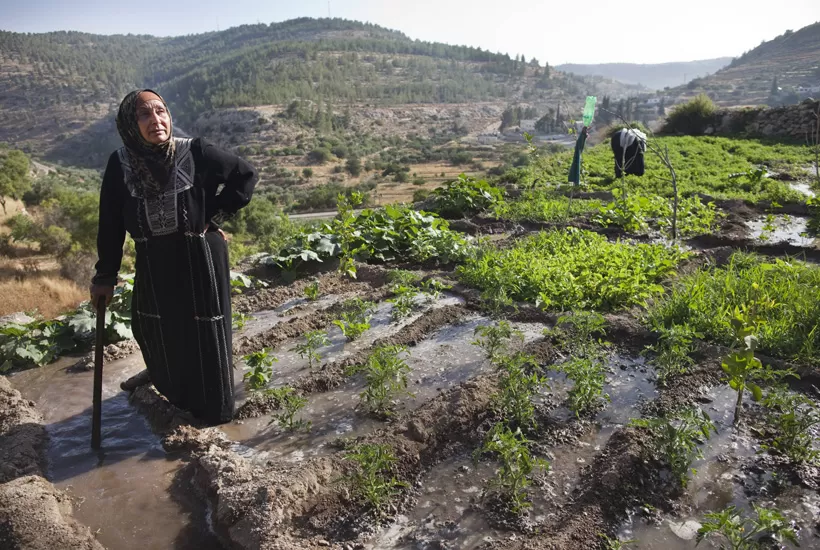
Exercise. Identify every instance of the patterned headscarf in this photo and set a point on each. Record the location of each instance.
(151, 164)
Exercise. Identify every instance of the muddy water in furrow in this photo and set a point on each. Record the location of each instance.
(790, 229)
(446, 508)
(334, 413)
(129, 493)
(719, 483)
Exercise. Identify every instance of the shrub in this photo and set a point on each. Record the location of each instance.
(458, 158)
(354, 166)
(420, 194)
(691, 118)
(618, 126)
(465, 196)
(319, 156)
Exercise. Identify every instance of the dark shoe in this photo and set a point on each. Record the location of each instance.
(136, 381)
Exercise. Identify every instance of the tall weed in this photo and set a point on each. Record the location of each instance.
(706, 302)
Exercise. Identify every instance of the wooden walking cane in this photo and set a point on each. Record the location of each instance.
(96, 412)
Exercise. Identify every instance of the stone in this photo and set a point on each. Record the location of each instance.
(416, 431)
(686, 530)
(18, 318)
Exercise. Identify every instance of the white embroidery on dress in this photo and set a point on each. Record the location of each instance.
(161, 209)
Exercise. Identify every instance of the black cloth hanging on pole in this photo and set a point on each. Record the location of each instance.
(628, 147)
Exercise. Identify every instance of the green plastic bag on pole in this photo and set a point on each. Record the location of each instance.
(589, 109)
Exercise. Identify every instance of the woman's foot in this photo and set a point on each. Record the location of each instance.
(136, 381)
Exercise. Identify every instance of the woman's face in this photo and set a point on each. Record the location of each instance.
(153, 119)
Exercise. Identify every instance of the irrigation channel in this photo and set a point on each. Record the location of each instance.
(161, 481)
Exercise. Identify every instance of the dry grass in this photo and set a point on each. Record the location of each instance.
(49, 295)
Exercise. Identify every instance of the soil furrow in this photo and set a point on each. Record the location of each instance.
(287, 506)
(332, 375)
(34, 515)
(298, 326)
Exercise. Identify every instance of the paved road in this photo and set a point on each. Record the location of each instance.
(313, 215)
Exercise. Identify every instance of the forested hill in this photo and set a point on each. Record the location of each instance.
(56, 86)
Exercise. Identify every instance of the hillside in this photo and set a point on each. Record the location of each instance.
(792, 58)
(653, 76)
(58, 90)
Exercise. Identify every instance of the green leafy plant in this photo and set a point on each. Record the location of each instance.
(373, 479)
(240, 282)
(40, 342)
(308, 349)
(402, 278)
(312, 291)
(384, 235)
(753, 177)
(562, 270)
(404, 301)
(37, 343)
(580, 332)
(744, 533)
(355, 317)
(615, 544)
(497, 340)
(743, 370)
(672, 352)
(675, 439)
(544, 206)
(769, 227)
(631, 212)
(588, 376)
(344, 227)
(433, 288)
(519, 384)
(290, 403)
(260, 374)
(517, 465)
(496, 300)
(239, 319)
(792, 418)
(706, 302)
(465, 196)
(386, 378)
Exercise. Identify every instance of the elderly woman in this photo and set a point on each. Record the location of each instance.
(169, 194)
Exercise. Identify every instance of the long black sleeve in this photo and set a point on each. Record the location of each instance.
(111, 229)
(237, 175)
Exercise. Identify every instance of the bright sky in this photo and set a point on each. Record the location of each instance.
(591, 31)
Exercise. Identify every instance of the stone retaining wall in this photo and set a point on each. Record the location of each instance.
(795, 122)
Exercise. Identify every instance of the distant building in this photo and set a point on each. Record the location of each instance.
(487, 139)
(528, 125)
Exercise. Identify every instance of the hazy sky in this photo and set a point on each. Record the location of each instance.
(591, 31)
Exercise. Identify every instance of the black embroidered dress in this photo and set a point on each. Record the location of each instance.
(181, 308)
